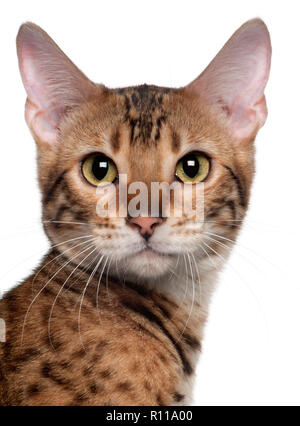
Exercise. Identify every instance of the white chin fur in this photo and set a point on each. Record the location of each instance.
(147, 265)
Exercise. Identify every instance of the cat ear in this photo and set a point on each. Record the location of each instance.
(235, 80)
(52, 82)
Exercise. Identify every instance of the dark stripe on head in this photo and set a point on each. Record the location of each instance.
(175, 142)
(52, 190)
(159, 123)
(115, 141)
(239, 186)
(59, 215)
(142, 106)
(217, 211)
(231, 206)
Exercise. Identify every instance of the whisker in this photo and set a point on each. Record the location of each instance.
(198, 275)
(107, 277)
(209, 256)
(98, 286)
(242, 246)
(193, 300)
(219, 243)
(41, 290)
(239, 276)
(214, 251)
(240, 254)
(186, 284)
(62, 287)
(117, 267)
(31, 257)
(84, 270)
(82, 297)
(64, 252)
(68, 222)
(172, 272)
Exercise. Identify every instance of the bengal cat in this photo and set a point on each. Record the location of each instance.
(114, 314)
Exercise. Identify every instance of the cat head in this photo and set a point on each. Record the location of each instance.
(89, 136)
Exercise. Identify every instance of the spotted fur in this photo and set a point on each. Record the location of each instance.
(99, 323)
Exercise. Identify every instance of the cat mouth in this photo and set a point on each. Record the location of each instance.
(149, 253)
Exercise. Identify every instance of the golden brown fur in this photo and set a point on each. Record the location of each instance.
(123, 357)
(111, 330)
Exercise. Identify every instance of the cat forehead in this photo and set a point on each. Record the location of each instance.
(136, 115)
(145, 113)
(144, 98)
(134, 120)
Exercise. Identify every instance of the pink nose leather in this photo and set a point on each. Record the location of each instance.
(145, 225)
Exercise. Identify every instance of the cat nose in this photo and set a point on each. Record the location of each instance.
(145, 225)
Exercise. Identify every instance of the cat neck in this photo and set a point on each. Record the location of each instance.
(190, 285)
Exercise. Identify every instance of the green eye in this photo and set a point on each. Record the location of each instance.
(193, 168)
(99, 170)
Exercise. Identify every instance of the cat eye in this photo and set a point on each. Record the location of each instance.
(193, 168)
(99, 170)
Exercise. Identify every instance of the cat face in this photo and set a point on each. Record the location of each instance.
(88, 136)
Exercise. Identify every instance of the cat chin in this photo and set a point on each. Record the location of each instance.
(146, 265)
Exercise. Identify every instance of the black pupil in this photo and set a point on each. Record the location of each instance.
(100, 167)
(190, 165)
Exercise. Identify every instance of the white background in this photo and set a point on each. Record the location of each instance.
(251, 352)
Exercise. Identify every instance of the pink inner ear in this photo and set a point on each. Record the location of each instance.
(52, 82)
(41, 113)
(235, 80)
(41, 124)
